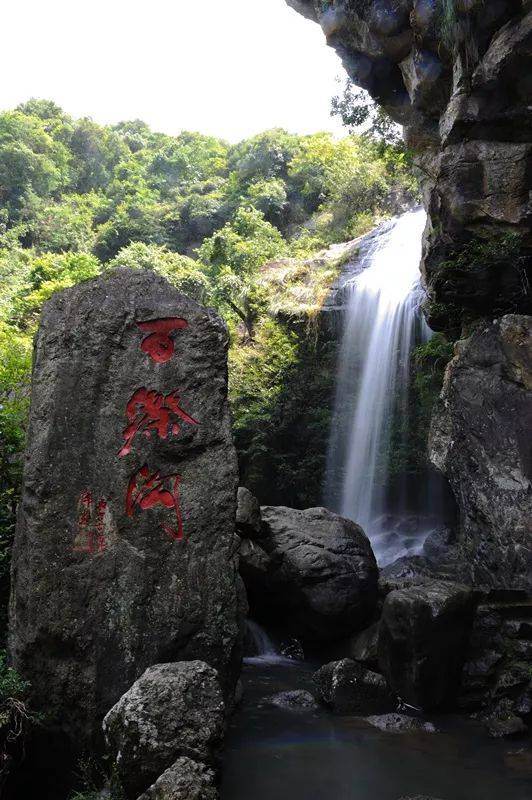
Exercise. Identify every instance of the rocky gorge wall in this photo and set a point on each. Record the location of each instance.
(456, 74)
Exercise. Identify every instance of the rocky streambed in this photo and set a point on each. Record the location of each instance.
(280, 748)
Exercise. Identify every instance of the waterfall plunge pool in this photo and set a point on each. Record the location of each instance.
(271, 754)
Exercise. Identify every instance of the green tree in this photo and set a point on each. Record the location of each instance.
(31, 162)
(266, 155)
(234, 256)
(68, 225)
(358, 111)
(183, 272)
(96, 151)
(270, 197)
(48, 274)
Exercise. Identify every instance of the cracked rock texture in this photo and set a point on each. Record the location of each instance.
(171, 711)
(481, 439)
(100, 594)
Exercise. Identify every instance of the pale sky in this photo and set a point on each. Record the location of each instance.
(230, 68)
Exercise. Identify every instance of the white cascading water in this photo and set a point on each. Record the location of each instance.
(381, 320)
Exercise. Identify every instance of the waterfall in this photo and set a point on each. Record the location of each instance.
(262, 644)
(382, 322)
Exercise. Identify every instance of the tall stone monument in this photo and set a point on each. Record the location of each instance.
(124, 553)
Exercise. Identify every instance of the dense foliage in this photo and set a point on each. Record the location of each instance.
(78, 198)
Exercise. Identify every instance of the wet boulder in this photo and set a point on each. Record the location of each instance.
(295, 700)
(400, 723)
(423, 637)
(171, 711)
(311, 571)
(347, 687)
(184, 780)
(501, 721)
(124, 552)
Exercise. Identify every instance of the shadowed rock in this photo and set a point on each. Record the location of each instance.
(184, 780)
(124, 550)
(313, 571)
(173, 710)
(347, 687)
(400, 723)
(296, 700)
(423, 636)
(480, 439)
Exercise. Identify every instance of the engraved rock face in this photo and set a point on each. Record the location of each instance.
(124, 551)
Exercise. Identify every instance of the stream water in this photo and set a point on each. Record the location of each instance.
(272, 754)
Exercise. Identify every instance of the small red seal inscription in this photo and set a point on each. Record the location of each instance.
(146, 490)
(90, 536)
(149, 410)
(159, 345)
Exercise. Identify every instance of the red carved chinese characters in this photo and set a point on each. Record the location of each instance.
(146, 490)
(90, 537)
(159, 345)
(149, 410)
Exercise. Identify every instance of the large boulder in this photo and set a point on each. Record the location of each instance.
(348, 687)
(124, 552)
(312, 571)
(171, 711)
(184, 780)
(480, 439)
(423, 637)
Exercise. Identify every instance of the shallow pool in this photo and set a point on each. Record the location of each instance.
(272, 754)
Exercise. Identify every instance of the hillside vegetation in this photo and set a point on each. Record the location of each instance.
(78, 198)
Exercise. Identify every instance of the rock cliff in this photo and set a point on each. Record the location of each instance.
(456, 74)
(480, 438)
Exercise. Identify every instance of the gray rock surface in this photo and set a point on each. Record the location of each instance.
(293, 700)
(501, 721)
(364, 647)
(480, 439)
(400, 723)
(248, 521)
(184, 780)
(348, 687)
(311, 570)
(103, 587)
(423, 637)
(172, 710)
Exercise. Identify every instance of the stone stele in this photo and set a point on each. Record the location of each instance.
(124, 549)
